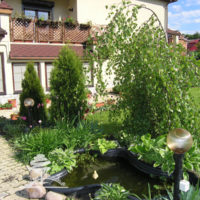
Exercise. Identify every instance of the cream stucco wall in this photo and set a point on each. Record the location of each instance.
(95, 10)
(60, 10)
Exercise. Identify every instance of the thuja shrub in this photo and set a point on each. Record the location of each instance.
(67, 87)
(31, 88)
(153, 77)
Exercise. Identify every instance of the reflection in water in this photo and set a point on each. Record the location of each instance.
(101, 171)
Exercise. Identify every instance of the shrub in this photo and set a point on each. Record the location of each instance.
(112, 192)
(39, 141)
(67, 87)
(153, 77)
(31, 88)
(156, 152)
(81, 136)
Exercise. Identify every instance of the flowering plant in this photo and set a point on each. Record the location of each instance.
(70, 20)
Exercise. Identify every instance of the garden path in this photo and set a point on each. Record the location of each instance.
(12, 174)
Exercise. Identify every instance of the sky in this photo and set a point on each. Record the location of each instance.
(184, 15)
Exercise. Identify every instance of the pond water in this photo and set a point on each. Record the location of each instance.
(112, 172)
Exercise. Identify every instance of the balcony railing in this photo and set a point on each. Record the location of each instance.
(28, 30)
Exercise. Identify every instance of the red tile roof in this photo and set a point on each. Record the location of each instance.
(172, 32)
(4, 5)
(40, 52)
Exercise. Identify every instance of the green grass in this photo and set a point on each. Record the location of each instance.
(195, 92)
(108, 126)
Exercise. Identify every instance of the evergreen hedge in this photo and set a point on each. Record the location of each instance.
(67, 87)
(31, 88)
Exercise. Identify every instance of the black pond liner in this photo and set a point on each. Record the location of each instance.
(112, 154)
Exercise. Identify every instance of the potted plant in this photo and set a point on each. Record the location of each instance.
(48, 98)
(14, 116)
(86, 26)
(89, 93)
(13, 102)
(41, 22)
(70, 22)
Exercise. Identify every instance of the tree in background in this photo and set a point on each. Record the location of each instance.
(31, 88)
(153, 78)
(67, 87)
(192, 36)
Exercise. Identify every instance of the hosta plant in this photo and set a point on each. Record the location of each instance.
(112, 192)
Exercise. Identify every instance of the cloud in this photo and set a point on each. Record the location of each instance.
(184, 17)
(189, 3)
(197, 20)
(186, 14)
(176, 8)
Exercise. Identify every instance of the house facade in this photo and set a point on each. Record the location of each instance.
(175, 37)
(37, 30)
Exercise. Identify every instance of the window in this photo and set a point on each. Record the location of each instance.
(88, 74)
(2, 80)
(39, 9)
(48, 68)
(18, 75)
(44, 15)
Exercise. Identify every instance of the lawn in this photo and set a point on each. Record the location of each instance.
(108, 126)
(195, 92)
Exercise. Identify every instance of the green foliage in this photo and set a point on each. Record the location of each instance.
(112, 192)
(62, 159)
(193, 36)
(192, 194)
(103, 119)
(39, 141)
(80, 136)
(146, 198)
(104, 145)
(6, 105)
(67, 87)
(14, 130)
(156, 152)
(152, 76)
(31, 88)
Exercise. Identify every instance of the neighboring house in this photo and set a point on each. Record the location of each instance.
(192, 45)
(23, 40)
(175, 37)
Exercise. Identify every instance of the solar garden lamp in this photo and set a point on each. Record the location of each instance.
(179, 141)
(29, 103)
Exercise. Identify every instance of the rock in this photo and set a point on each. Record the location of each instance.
(35, 173)
(40, 164)
(35, 190)
(39, 156)
(54, 196)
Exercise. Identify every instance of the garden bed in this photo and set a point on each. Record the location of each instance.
(111, 155)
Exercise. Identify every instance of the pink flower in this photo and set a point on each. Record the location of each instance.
(42, 104)
(23, 118)
(30, 126)
(38, 106)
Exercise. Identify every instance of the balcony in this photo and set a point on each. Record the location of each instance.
(36, 31)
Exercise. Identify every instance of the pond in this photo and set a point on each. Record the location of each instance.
(119, 171)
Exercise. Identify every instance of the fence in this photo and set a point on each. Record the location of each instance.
(33, 30)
